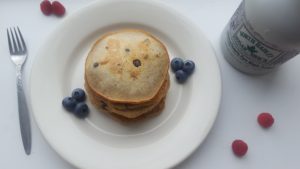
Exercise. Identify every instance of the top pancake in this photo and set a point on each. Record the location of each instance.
(128, 66)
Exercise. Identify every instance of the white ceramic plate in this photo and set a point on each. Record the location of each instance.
(99, 141)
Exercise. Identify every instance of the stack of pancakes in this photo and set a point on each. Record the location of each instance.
(126, 74)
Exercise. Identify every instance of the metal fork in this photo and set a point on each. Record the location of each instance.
(18, 52)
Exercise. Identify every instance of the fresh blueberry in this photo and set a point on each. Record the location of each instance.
(188, 67)
(69, 103)
(176, 64)
(181, 76)
(78, 94)
(81, 110)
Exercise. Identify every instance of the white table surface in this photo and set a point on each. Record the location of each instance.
(243, 97)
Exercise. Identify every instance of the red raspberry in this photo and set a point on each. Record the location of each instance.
(239, 147)
(265, 119)
(46, 7)
(58, 8)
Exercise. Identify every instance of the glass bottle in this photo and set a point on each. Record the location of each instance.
(262, 35)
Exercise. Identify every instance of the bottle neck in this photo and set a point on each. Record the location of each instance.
(276, 20)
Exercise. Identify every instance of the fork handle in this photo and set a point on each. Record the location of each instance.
(24, 117)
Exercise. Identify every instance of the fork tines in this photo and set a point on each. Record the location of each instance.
(16, 42)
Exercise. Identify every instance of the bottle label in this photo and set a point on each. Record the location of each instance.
(247, 46)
